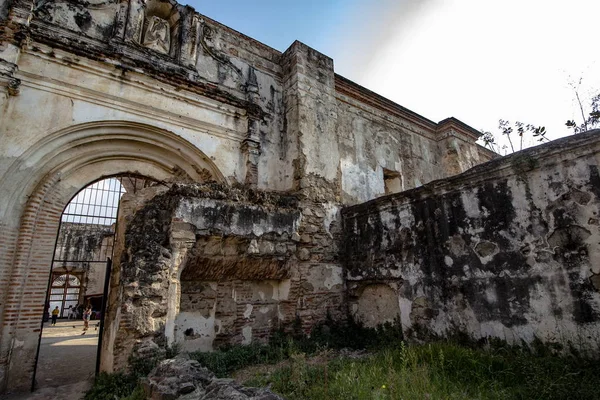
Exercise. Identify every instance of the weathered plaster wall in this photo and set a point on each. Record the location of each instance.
(231, 67)
(85, 248)
(204, 265)
(509, 249)
(97, 21)
(83, 242)
(52, 85)
(370, 143)
(385, 148)
(251, 70)
(97, 88)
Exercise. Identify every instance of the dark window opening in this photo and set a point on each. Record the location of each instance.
(392, 181)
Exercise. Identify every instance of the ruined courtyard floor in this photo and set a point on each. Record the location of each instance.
(67, 362)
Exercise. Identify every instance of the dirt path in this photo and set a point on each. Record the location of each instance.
(66, 364)
(66, 356)
(74, 391)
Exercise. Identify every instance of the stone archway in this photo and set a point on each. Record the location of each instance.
(34, 191)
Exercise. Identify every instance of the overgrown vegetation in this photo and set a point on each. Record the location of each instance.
(438, 371)
(125, 386)
(515, 136)
(299, 367)
(284, 345)
(509, 129)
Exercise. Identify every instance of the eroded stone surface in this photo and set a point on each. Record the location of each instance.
(508, 249)
(98, 88)
(204, 265)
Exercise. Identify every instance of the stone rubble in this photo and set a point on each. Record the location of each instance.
(184, 379)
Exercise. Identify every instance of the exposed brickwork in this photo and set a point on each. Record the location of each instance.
(84, 101)
(28, 283)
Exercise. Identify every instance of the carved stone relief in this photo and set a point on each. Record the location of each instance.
(157, 35)
(93, 18)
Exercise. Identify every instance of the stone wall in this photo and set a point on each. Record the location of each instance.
(85, 248)
(204, 265)
(509, 249)
(84, 242)
(385, 148)
(155, 89)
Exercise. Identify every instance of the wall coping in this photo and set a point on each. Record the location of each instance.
(522, 161)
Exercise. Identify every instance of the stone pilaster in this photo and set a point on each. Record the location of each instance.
(190, 31)
(458, 148)
(311, 114)
(251, 152)
(121, 21)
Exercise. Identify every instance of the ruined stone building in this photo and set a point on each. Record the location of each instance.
(267, 199)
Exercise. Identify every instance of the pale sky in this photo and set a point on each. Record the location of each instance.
(476, 60)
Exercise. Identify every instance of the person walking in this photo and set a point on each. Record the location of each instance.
(87, 314)
(55, 313)
(71, 313)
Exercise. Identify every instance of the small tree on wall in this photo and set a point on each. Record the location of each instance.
(590, 115)
(515, 133)
(518, 134)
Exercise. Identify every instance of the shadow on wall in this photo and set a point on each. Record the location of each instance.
(508, 249)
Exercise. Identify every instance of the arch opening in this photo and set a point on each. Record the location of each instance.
(71, 331)
(51, 173)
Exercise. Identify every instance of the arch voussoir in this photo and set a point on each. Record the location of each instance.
(50, 173)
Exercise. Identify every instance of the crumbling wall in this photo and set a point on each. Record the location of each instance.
(85, 248)
(385, 148)
(509, 249)
(204, 265)
(4, 6)
(372, 145)
(94, 18)
(199, 55)
(83, 242)
(153, 88)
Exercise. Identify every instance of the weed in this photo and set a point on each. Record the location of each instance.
(112, 386)
(439, 371)
(125, 386)
(285, 344)
(457, 368)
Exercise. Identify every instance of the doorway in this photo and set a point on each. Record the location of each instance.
(80, 270)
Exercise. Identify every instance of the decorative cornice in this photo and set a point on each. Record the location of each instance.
(458, 126)
(126, 57)
(76, 91)
(532, 158)
(364, 95)
(344, 86)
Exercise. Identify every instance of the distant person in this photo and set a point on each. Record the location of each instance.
(55, 313)
(71, 314)
(87, 314)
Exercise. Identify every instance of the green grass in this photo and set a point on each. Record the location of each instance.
(283, 345)
(125, 386)
(438, 371)
(298, 367)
